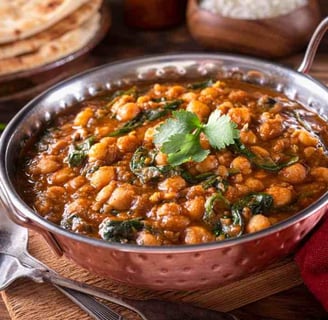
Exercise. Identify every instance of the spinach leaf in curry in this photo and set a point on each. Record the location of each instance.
(120, 231)
(78, 152)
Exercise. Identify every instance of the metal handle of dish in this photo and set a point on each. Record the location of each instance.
(313, 45)
(18, 218)
(9, 210)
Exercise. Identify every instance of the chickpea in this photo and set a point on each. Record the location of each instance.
(127, 143)
(224, 107)
(170, 217)
(254, 185)
(61, 176)
(145, 238)
(79, 206)
(309, 152)
(189, 96)
(120, 102)
(169, 195)
(271, 128)
(172, 184)
(296, 173)
(201, 110)
(55, 192)
(104, 194)
(161, 159)
(242, 189)
(225, 158)
(196, 234)
(43, 206)
(75, 183)
(122, 197)
(168, 209)
(232, 194)
(307, 139)
(282, 196)
(257, 223)
(105, 150)
(59, 146)
(222, 171)
(237, 178)
(83, 191)
(83, 117)
(242, 164)
(127, 112)
(103, 131)
(195, 207)
(159, 89)
(241, 116)
(102, 177)
(210, 163)
(174, 92)
(174, 223)
(46, 165)
(248, 137)
(210, 92)
(143, 99)
(195, 191)
(320, 173)
(281, 145)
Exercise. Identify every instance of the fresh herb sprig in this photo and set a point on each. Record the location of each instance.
(179, 137)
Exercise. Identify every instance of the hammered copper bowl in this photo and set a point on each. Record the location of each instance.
(167, 267)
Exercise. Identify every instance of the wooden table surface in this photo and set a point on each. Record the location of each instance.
(123, 42)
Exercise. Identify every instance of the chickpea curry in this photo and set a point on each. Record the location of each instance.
(177, 163)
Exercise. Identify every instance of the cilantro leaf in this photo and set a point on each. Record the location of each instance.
(183, 122)
(220, 130)
(179, 137)
(184, 147)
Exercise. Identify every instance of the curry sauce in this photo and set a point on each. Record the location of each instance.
(177, 163)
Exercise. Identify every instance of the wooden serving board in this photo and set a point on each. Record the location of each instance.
(28, 300)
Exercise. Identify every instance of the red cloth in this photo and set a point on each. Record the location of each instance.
(312, 259)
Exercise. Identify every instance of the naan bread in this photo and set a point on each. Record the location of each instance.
(20, 19)
(55, 49)
(69, 23)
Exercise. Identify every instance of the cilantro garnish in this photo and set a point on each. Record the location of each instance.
(179, 137)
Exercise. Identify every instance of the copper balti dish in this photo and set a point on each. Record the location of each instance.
(167, 267)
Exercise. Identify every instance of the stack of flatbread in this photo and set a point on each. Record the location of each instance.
(37, 32)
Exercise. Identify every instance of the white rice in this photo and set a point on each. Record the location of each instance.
(251, 9)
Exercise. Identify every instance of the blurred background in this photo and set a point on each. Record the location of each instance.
(134, 28)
